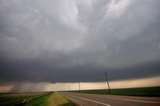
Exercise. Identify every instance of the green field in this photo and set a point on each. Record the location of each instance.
(144, 91)
(34, 99)
(55, 99)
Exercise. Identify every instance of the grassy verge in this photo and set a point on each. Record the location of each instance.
(39, 101)
(145, 91)
(58, 100)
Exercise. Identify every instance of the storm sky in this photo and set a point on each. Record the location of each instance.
(78, 40)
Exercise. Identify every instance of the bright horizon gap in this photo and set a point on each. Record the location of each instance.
(46, 86)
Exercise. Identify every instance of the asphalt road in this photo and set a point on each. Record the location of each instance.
(110, 100)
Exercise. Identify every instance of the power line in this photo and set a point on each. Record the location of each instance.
(69, 88)
(79, 87)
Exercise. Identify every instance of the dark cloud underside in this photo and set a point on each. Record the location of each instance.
(70, 41)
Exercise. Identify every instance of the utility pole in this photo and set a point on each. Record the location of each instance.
(106, 77)
(69, 88)
(79, 87)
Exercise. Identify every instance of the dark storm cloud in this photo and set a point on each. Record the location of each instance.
(69, 41)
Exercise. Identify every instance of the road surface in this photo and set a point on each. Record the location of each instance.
(110, 100)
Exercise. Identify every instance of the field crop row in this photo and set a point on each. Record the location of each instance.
(19, 99)
(35, 99)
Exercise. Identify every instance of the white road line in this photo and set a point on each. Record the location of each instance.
(133, 100)
(91, 100)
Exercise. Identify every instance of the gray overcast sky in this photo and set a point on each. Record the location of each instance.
(78, 40)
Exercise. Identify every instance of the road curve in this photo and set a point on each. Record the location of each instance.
(82, 99)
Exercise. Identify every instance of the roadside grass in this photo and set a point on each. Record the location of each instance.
(58, 100)
(39, 101)
(143, 91)
(35, 99)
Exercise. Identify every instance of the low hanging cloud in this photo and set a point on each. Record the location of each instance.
(71, 41)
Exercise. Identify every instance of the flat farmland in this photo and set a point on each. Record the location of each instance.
(142, 91)
(34, 99)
